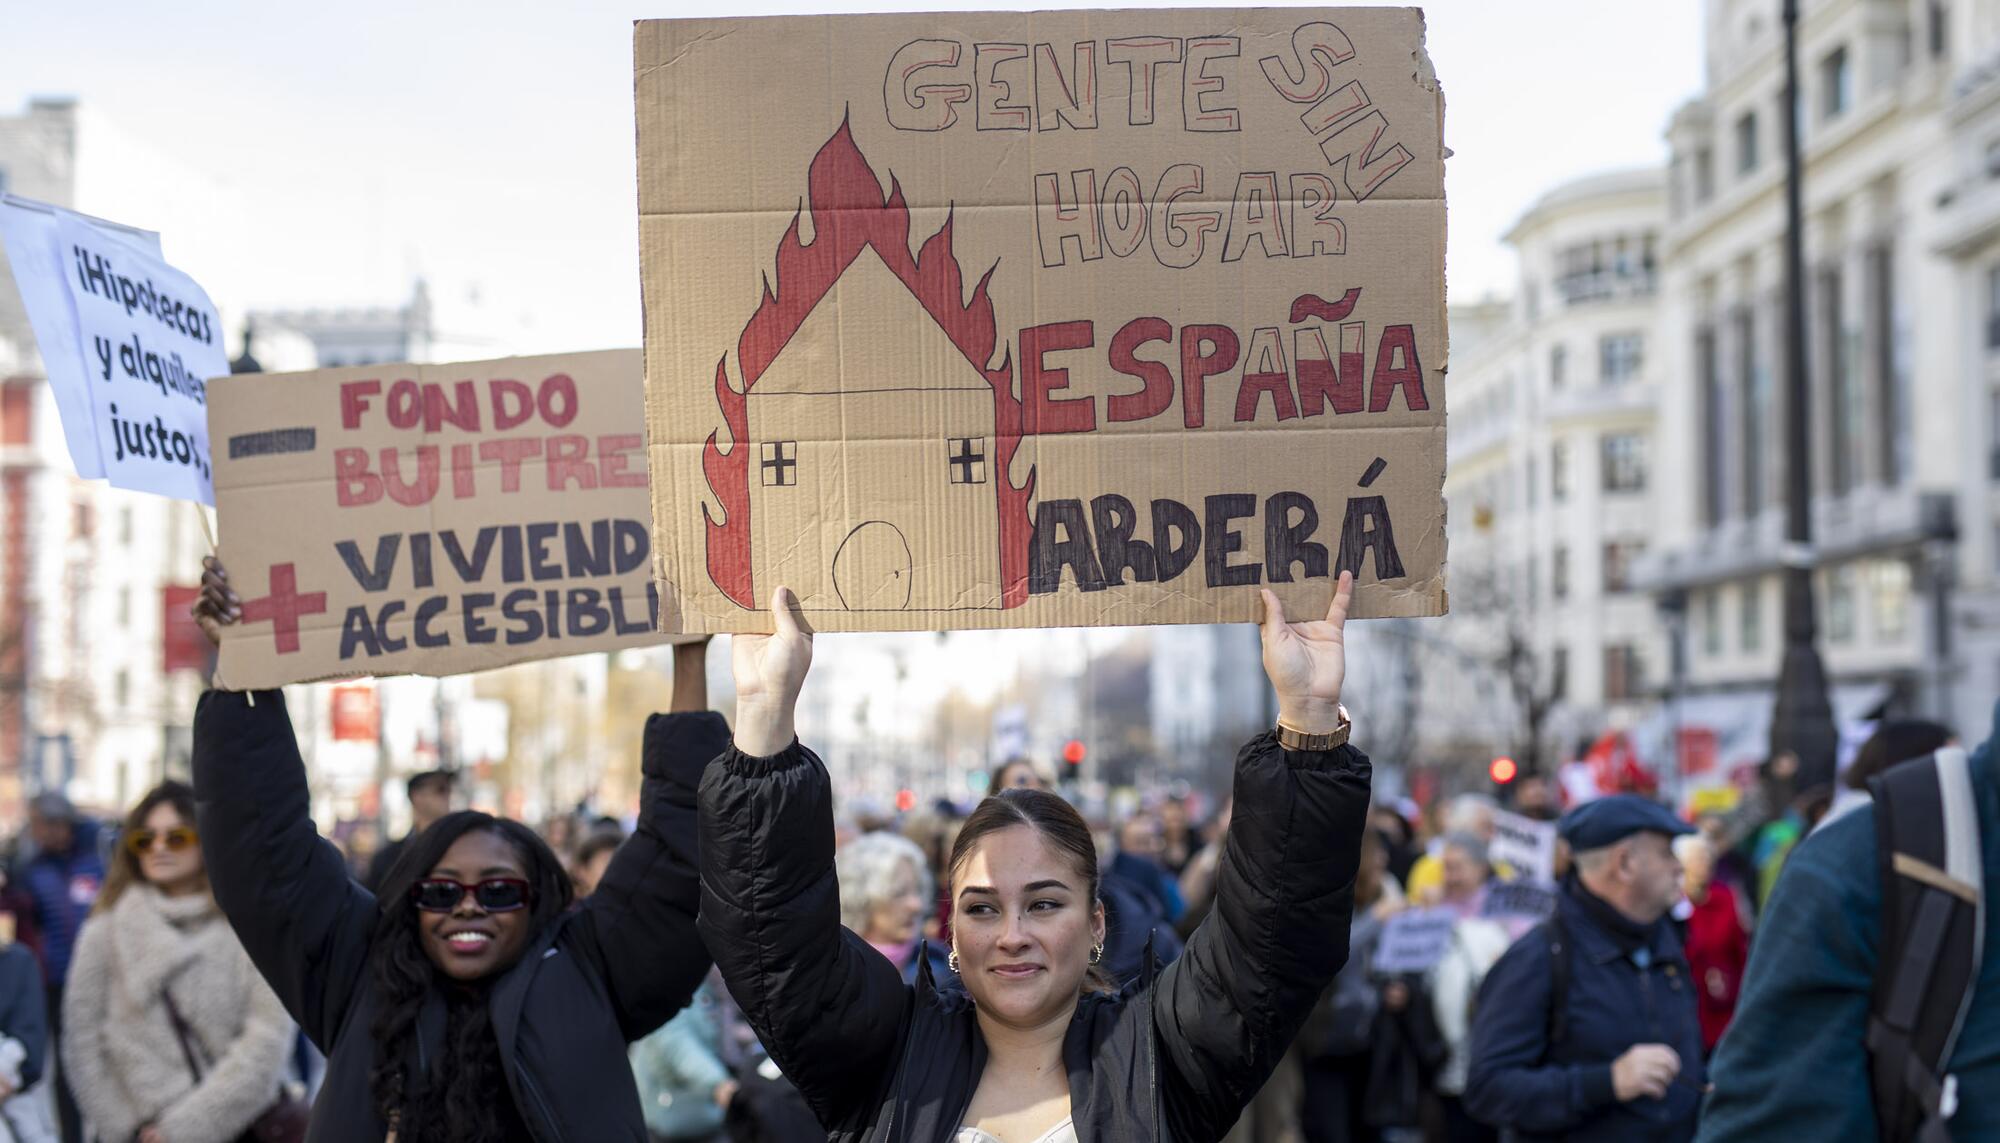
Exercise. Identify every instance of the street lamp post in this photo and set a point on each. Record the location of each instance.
(1673, 607)
(1802, 724)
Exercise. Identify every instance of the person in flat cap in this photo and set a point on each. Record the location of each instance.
(1587, 1028)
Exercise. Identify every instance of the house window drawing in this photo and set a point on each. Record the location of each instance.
(921, 505)
(781, 464)
(968, 460)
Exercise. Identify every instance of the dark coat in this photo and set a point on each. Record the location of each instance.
(23, 1011)
(1173, 1058)
(1138, 918)
(604, 974)
(63, 887)
(1564, 1091)
(383, 861)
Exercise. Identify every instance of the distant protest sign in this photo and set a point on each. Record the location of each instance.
(1526, 900)
(1413, 940)
(1524, 844)
(128, 342)
(434, 519)
(1043, 318)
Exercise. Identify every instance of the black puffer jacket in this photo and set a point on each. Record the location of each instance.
(606, 973)
(1173, 1058)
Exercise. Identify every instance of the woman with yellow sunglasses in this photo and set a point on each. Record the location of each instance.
(168, 1031)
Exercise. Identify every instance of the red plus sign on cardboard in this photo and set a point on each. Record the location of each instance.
(283, 607)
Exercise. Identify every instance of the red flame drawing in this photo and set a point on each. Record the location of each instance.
(851, 214)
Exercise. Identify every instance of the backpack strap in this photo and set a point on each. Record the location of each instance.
(1559, 953)
(1933, 924)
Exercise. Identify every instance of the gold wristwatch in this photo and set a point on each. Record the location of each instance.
(1292, 738)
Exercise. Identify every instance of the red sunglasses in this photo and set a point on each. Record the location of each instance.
(495, 894)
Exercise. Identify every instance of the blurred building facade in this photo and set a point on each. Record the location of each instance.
(1896, 373)
(1550, 482)
(94, 581)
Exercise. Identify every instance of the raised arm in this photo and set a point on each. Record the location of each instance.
(1225, 1012)
(305, 923)
(640, 923)
(829, 1009)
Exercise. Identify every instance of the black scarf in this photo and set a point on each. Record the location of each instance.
(1629, 935)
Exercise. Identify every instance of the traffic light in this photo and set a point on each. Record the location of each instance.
(906, 800)
(1502, 771)
(1072, 756)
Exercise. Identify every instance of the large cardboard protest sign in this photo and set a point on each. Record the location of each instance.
(434, 519)
(128, 343)
(1049, 318)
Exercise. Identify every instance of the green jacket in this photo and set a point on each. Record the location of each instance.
(1792, 1065)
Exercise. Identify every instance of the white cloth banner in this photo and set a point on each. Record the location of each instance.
(128, 344)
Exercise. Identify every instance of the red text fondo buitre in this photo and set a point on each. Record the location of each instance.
(509, 436)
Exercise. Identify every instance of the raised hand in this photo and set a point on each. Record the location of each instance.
(218, 606)
(770, 670)
(1307, 662)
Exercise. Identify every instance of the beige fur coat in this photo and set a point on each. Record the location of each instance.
(118, 1045)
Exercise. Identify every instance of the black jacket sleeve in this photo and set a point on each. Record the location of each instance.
(639, 924)
(1229, 1007)
(829, 1009)
(305, 923)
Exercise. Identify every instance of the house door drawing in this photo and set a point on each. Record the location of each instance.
(871, 571)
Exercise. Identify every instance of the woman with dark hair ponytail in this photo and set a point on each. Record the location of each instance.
(475, 1000)
(1037, 1048)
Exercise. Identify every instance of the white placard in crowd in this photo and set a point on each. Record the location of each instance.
(1413, 941)
(128, 344)
(1524, 844)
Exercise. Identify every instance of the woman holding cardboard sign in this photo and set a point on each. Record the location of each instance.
(1037, 1049)
(471, 1001)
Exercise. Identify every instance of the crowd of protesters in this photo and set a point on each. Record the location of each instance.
(207, 968)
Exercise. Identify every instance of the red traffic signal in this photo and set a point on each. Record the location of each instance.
(1502, 771)
(1073, 752)
(906, 800)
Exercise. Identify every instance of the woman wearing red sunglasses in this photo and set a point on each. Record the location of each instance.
(168, 1034)
(471, 1002)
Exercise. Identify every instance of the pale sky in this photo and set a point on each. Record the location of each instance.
(489, 146)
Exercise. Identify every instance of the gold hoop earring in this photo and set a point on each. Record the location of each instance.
(1096, 953)
(952, 960)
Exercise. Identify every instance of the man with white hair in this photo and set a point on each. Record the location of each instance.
(1586, 1029)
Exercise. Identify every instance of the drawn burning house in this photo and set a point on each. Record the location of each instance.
(873, 439)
